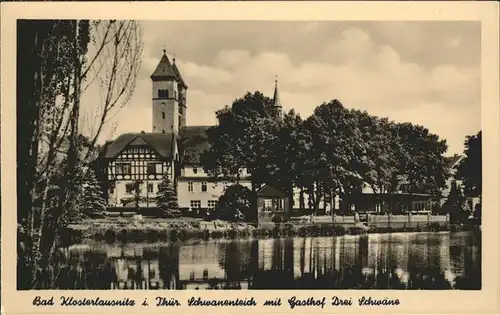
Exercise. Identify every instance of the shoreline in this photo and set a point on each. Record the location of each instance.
(188, 230)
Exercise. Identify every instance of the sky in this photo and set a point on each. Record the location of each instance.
(427, 73)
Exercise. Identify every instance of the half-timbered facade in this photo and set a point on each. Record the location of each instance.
(137, 164)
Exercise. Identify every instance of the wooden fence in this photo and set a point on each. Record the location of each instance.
(386, 220)
(406, 221)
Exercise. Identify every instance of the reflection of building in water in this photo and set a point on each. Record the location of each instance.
(266, 248)
(444, 256)
(195, 261)
(145, 268)
(394, 261)
(387, 257)
(218, 265)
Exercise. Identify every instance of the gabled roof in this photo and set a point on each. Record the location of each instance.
(164, 70)
(450, 162)
(192, 141)
(178, 74)
(270, 191)
(160, 142)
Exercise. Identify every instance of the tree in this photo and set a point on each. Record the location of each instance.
(287, 153)
(236, 204)
(455, 204)
(93, 204)
(55, 66)
(335, 135)
(477, 211)
(470, 168)
(137, 189)
(167, 199)
(244, 138)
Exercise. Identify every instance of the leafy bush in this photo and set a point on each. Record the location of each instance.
(235, 204)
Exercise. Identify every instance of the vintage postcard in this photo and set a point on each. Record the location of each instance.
(257, 158)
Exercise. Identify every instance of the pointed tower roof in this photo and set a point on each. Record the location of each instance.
(164, 70)
(178, 74)
(276, 98)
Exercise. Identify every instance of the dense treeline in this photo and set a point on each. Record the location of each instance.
(333, 152)
(58, 61)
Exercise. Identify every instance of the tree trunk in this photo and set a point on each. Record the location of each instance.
(301, 199)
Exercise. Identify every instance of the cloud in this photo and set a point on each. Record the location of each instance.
(378, 67)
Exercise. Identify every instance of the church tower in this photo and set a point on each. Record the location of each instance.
(276, 101)
(169, 97)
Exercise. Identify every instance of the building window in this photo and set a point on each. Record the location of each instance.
(195, 204)
(150, 188)
(190, 186)
(212, 203)
(267, 205)
(122, 168)
(163, 115)
(204, 186)
(419, 206)
(162, 93)
(112, 190)
(195, 170)
(278, 204)
(163, 131)
(405, 188)
(159, 169)
(152, 167)
(129, 188)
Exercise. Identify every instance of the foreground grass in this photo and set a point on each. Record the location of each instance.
(154, 229)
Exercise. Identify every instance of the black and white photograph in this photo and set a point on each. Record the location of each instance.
(248, 155)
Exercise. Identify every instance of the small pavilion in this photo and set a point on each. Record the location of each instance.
(273, 205)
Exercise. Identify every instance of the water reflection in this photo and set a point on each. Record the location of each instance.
(385, 261)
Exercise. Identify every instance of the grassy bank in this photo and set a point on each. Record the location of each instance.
(152, 230)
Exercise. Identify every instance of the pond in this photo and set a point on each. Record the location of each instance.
(431, 260)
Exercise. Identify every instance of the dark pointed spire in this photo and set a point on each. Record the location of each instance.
(178, 73)
(164, 70)
(276, 97)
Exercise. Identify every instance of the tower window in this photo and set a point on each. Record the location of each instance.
(163, 115)
(162, 93)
